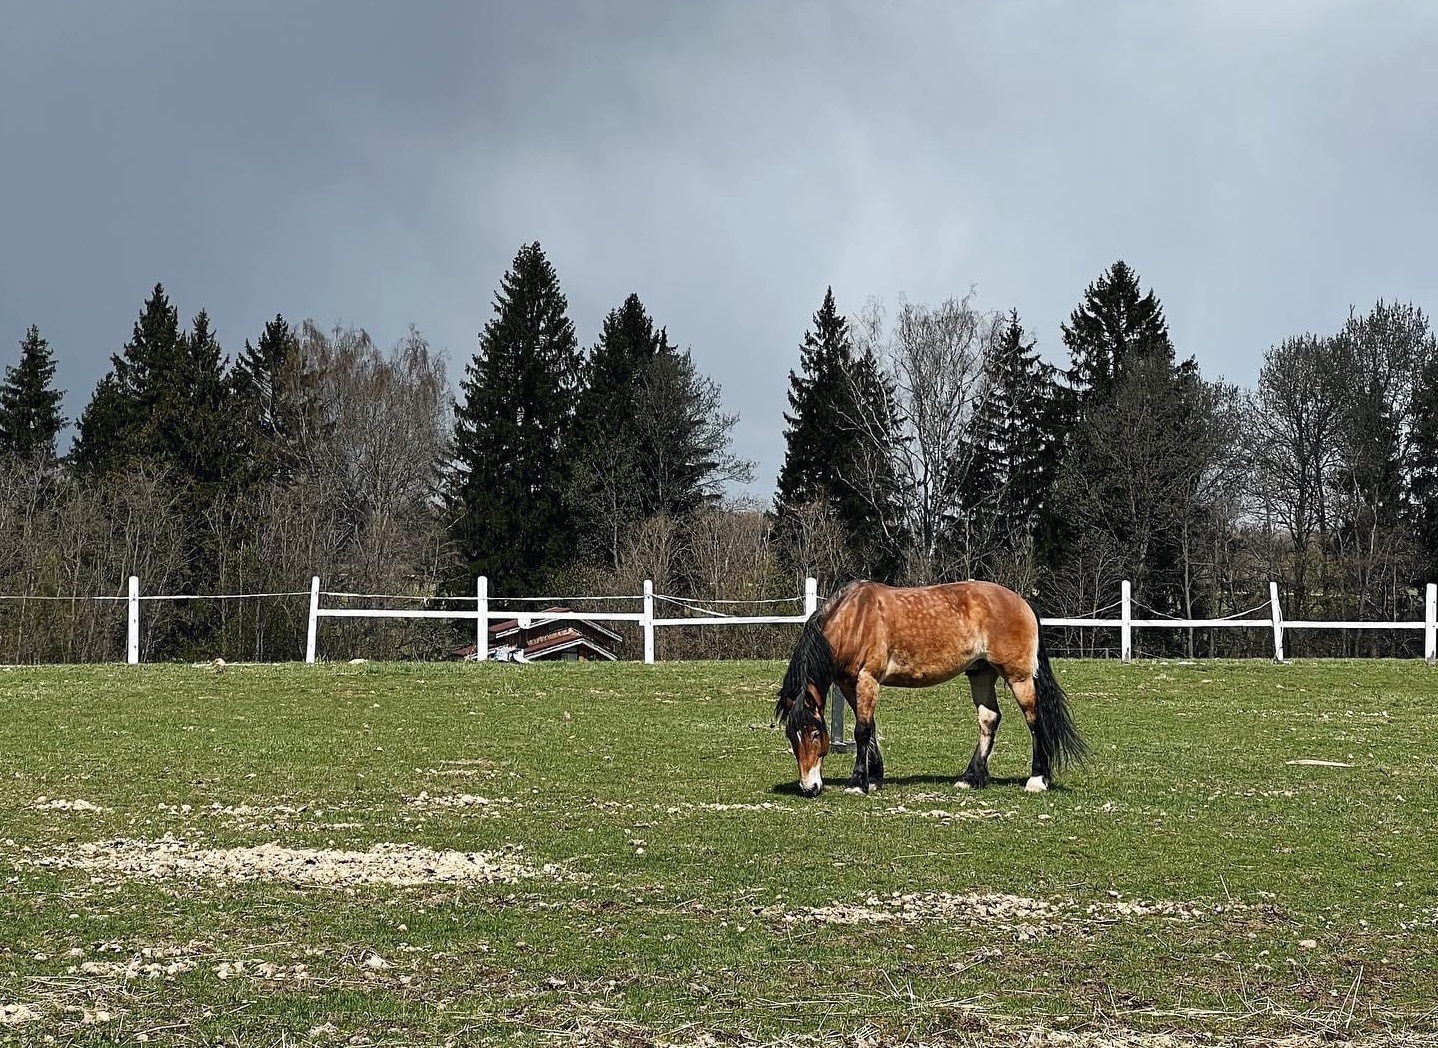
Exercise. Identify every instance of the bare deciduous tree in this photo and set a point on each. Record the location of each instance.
(919, 447)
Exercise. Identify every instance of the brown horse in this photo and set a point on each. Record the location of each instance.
(871, 634)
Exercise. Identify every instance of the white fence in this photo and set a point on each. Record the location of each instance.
(482, 613)
(1275, 621)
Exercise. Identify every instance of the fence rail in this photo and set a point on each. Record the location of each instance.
(482, 613)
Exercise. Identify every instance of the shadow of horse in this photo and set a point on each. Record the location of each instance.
(791, 788)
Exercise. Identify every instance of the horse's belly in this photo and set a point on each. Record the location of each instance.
(907, 671)
(906, 679)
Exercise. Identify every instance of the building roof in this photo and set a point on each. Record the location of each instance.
(505, 627)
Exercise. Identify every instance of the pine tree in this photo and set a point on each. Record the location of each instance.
(607, 493)
(1138, 430)
(1013, 463)
(30, 418)
(684, 435)
(816, 439)
(1112, 327)
(1423, 482)
(834, 400)
(119, 424)
(509, 516)
(194, 429)
(276, 405)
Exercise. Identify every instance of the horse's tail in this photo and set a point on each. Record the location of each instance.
(1055, 731)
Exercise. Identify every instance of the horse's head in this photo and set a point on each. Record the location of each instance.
(802, 714)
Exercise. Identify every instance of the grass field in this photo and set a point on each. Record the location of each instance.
(615, 854)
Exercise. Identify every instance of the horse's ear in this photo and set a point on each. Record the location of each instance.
(813, 698)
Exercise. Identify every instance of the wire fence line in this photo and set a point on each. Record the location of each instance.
(701, 613)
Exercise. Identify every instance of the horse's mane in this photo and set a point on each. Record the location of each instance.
(811, 663)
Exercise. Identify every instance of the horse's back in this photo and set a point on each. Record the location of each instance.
(921, 635)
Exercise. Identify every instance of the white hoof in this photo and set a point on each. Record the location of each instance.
(1037, 784)
(964, 784)
(854, 789)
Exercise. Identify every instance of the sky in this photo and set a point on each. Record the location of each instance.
(1263, 166)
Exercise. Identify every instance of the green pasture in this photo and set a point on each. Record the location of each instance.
(1192, 884)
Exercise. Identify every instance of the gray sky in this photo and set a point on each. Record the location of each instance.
(1263, 165)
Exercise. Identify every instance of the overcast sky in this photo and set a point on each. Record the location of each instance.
(1263, 165)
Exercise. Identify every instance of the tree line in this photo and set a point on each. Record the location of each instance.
(934, 442)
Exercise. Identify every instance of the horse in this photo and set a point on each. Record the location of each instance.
(914, 637)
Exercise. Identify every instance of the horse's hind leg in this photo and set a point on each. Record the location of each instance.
(982, 678)
(1023, 689)
(868, 761)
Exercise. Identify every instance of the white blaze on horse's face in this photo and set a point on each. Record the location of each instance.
(809, 737)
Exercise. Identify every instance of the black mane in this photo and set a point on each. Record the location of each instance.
(811, 663)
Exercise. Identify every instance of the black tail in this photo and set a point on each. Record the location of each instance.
(1056, 733)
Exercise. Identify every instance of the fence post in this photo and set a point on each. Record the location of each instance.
(1125, 643)
(647, 622)
(312, 635)
(133, 622)
(1277, 616)
(481, 626)
(811, 596)
(1430, 625)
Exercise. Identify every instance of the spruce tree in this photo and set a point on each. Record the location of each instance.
(1423, 474)
(30, 418)
(1112, 326)
(684, 435)
(650, 435)
(819, 426)
(1013, 463)
(509, 516)
(118, 426)
(194, 430)
(1132, 421)
(837, 400)
(607, 493)
(274, 405)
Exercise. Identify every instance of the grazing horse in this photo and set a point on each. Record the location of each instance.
(871, 634)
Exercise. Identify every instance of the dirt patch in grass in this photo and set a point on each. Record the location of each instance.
(60, 804)
(401, 865)
(944, 815)
(1023, 917)
(469, 802)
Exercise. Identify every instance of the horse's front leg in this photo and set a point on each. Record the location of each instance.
(868, 760)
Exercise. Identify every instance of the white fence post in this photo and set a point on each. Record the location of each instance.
(313, 633)
(1277, 616)
(1430, 624)
(133, 622)
(1125, 643)
(811, 596)
(481, 626)
(647, 622)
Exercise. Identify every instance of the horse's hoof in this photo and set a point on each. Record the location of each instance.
(964, 784)
(874, 787)
(1036, 784)
(854, 789)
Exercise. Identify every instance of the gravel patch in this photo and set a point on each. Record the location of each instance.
(59, 804)
(470, 801)
(1024, 917)
(401, 865)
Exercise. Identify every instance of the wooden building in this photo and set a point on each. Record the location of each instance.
(535, 638)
